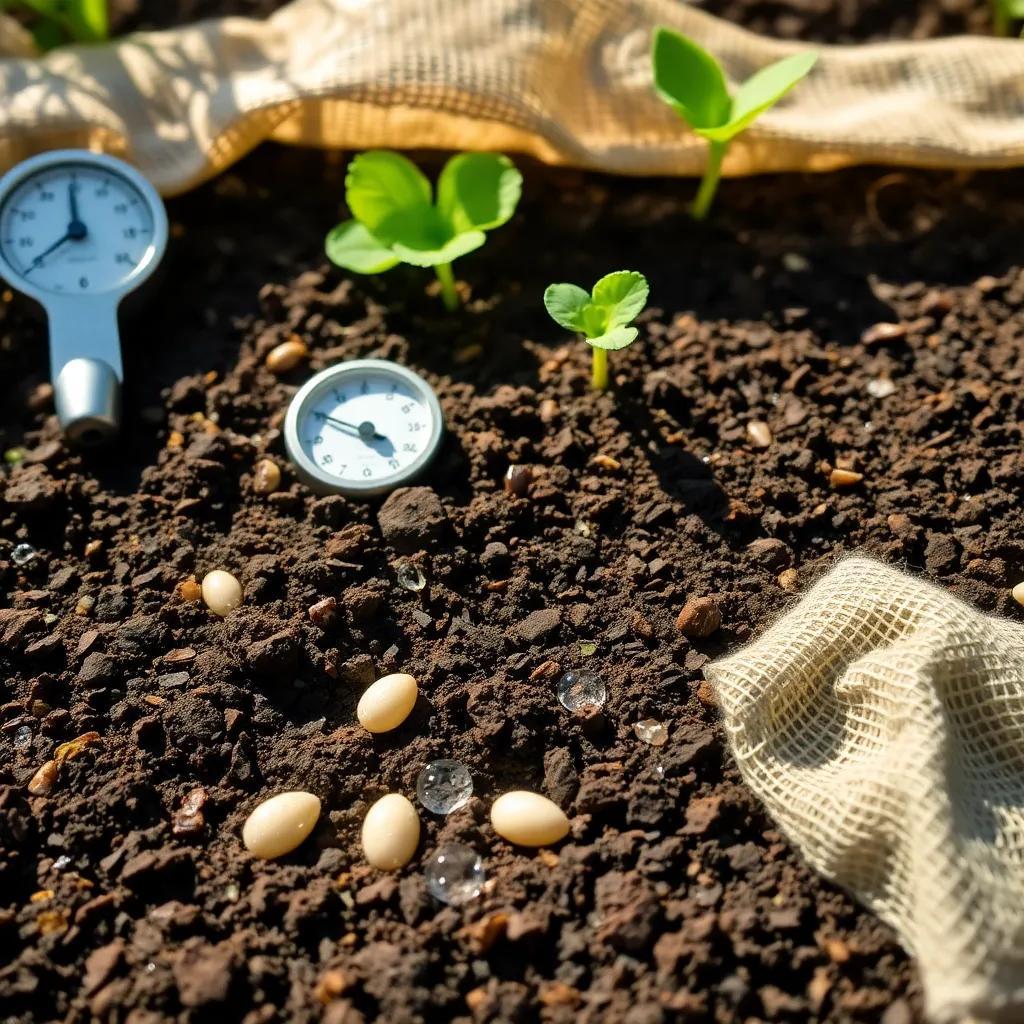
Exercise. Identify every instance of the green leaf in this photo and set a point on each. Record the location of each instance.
(87, 19)
(622, 295)
(48, 35)
(391, 198)
(616, 338)
(444, 253)
(690, 80)
(761, 91)
(351, 246)
(478, 191)
(566, 305)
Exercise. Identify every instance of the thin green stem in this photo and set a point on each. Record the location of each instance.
(709, 183)
(1000, 20)
(448, 292)
(600, 375)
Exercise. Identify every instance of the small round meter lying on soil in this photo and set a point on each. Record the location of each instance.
(363, 427)
(78, 232)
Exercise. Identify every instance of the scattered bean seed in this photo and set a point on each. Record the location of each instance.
(44, 780)
(286, 356)
(528, 819)
(759, 433)
(280, 824)
(266, 476)
(221, 592)
(517, 481)
(391, 832)
(700, 617)
(844, 477)
(1018, 593)
(386, 704)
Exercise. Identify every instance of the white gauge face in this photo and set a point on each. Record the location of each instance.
(364, 427)
(76, 229)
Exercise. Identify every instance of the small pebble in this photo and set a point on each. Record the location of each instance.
(324, 613)
(266, 476)
(528, 819)
(189, 590)
(1018, 593)
(795, 263)
(651, 731)
(221, 592)
(578, 690)
(387, 703)
(880, 387)
(517, 481)
(444, 786)
(789, 580)
(278, 825)
(759, 433)
(286, 356)
(23, 738)
(454, 874)
(85, 605)
(410, 576)
(22, 554)
(699, 618)
(391, 832)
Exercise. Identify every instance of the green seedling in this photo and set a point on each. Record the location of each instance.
(396, 219)
(1005, 13)
(56, 22)
(692, 83)
(601, 315)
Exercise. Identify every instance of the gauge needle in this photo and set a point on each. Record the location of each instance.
(75, 233)
(365, 430)
(76, 228)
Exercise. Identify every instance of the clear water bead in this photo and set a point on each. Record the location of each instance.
(650, 730)
(444, 786)
(22, 554)
(454, 874)
(23, 738)
(410, 576)
(581, 690)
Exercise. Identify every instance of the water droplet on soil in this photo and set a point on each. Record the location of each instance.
(23, 554)
(410, 576)
(23, 738)
(581, 689)
(651, 731)
(454, 874)
(444, 786)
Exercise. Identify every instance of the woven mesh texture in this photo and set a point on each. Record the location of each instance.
(568, 81)
(881, 721)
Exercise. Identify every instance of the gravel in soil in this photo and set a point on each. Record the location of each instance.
(657, 528)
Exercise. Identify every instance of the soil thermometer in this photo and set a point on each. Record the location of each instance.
(363, 427)
(78, 232)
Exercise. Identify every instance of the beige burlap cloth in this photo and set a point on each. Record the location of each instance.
(568, 81)
(881, 721)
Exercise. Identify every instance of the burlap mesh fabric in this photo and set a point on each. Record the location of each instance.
(567, 81)
(881, 721)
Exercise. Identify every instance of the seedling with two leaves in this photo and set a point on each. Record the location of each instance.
(56, 22)
(397, 220)
(690, 80)
(602, 315)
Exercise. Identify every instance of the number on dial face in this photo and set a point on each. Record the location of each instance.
(365, 427)
(75, 229)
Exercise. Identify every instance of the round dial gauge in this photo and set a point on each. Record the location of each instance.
(363, 427)
(77, 226)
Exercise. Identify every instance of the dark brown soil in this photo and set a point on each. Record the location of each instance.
(824, 21)
(673, 898)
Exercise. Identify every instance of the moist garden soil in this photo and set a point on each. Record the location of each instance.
(673, 898)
